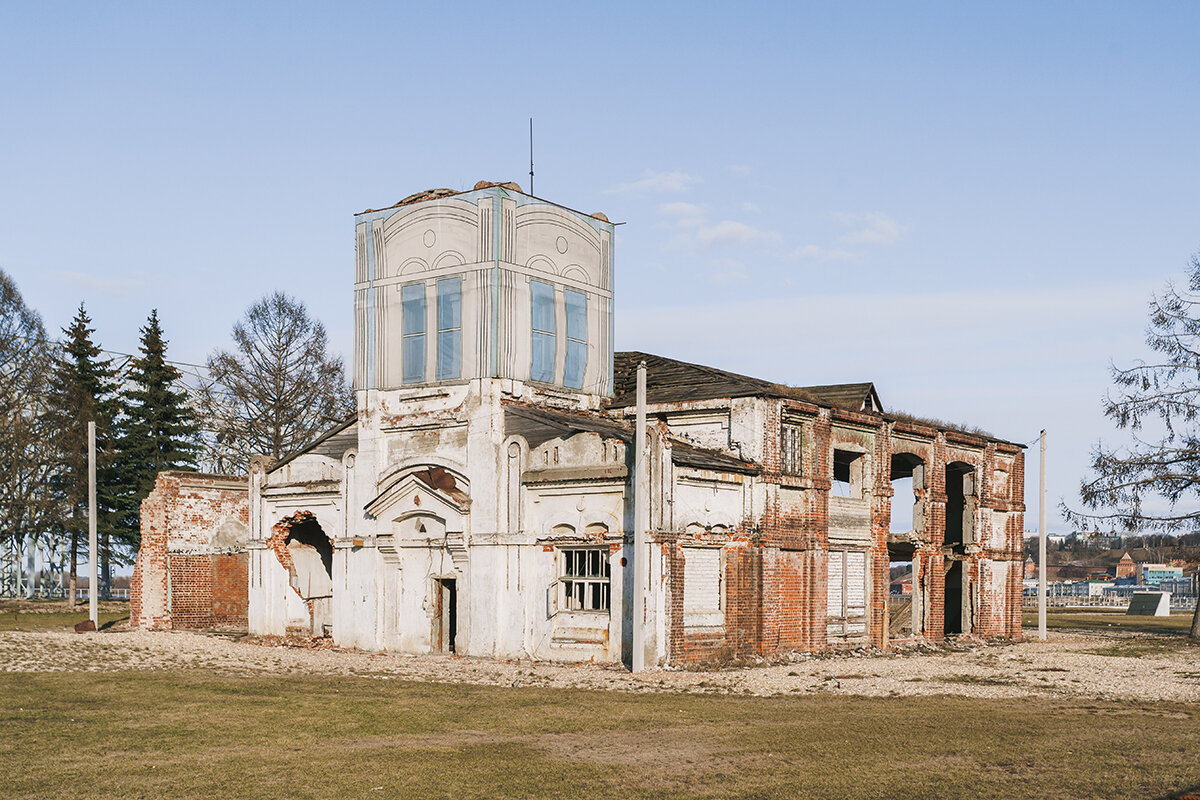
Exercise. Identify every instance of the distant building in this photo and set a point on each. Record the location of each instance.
(1153, 574)
(1125, 567)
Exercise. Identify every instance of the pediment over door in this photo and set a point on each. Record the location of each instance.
(413, 495)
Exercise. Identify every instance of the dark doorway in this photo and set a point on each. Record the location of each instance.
(446, 623)
(954, 596)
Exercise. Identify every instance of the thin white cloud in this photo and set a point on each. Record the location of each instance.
(751, 208)
(877, 229)
(685, 215)
(812, 252)
(730, 232)
(740, 169)
(657, 182)
(724, 273)
(113, 286)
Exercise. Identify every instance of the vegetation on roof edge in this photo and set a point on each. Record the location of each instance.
(941, 424)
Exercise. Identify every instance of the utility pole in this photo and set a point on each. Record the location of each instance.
(93, 556)
(1042, 542)
(641, 524)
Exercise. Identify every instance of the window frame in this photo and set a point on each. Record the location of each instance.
(791, 448)
(549, 336)
(419, 337)
(449, 332)
(594, 588)
(575, 343)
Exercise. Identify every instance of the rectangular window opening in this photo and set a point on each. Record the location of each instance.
(848, 473)
(544, 345)
(584, 579)
(412, 332)
(449, 323)
(576, 366)
(790, 450)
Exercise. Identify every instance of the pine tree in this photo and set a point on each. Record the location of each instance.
(159, 429)
(84, 389)
(1158, 403)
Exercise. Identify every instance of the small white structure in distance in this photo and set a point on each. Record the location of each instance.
(1150, 604)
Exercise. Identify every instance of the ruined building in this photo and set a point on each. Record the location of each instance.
(482, 500)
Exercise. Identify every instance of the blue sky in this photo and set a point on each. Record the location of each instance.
(968, 204)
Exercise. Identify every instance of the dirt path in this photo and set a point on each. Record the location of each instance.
(1095, 666)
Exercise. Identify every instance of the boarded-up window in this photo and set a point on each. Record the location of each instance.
(790, 449)
(847, 594)
(703, 587)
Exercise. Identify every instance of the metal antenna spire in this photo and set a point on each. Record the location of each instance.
(531, 156)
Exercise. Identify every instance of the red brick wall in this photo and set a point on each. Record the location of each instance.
(180, 579)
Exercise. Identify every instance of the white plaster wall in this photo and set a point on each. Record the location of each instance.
(306, 468)
(747, 417)
(273, 604)
(706, 501)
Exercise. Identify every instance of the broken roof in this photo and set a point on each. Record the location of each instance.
(539, 424)
(512, 186)
(671, 381)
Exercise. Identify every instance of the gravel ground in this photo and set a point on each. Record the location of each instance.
(1063, 666)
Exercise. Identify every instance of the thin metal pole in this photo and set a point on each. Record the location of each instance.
(641, 524)
(1042, 542)
(93, 556)
(531, 157)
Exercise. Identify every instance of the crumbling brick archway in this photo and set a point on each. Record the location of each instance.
(306, 552)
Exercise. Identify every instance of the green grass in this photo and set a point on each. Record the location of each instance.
(196, 734)
(53, 620)
(46, 615)
(1088, 619)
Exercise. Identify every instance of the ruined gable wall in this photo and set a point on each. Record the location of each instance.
(191, 569)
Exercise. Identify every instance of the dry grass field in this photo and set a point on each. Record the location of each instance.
(142, 731)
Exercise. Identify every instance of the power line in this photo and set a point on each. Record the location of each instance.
(113, 352)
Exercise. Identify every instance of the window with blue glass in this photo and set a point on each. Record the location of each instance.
(576, 307)
(542, 368)
(449, 325)
(412, 332)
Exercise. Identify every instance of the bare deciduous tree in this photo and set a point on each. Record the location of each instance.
(27, 458)
(1158, 403)
(276, 391)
